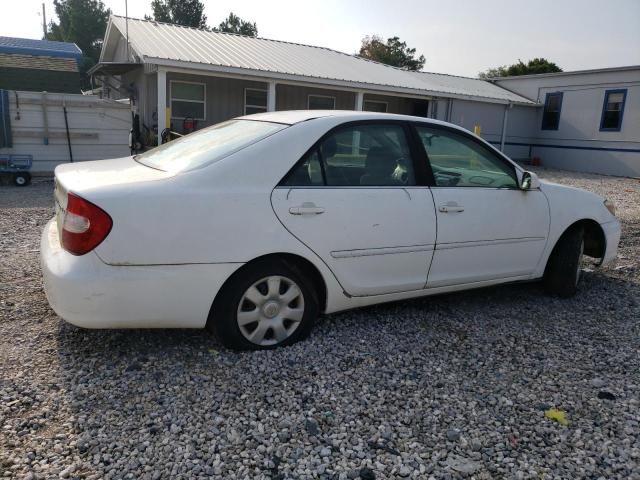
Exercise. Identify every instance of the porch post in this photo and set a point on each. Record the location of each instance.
(505, 120)
(271, 97)
(359, 101)
(162, 102)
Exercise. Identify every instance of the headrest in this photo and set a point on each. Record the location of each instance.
(329, 147)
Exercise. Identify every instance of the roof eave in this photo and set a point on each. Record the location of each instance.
(353, 86)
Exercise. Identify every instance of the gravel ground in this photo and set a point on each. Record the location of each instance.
(454, 386)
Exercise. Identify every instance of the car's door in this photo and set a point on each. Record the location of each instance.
(353, 200)
(488, 228)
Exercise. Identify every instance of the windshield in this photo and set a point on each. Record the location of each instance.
(207, 146)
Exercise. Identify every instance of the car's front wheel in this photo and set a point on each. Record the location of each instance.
(266, 305)
(562, 274)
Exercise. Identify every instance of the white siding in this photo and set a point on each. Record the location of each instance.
(578, 144)
(98, 128)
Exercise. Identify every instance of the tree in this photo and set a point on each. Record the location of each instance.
(82, 22)
(189, 13)
(393, 52)
(532, 67)
(234, 24)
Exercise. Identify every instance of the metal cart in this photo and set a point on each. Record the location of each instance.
(16, 167)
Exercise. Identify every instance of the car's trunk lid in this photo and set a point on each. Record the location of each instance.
(83, 178)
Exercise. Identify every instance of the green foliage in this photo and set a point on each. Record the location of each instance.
(393, 52)
(82, 22)
(532, 67)
(189, 13)
(234, 24)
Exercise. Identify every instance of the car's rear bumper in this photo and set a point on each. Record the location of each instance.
(612, 231)
(88, 293)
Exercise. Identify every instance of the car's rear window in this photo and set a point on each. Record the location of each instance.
(208, 145)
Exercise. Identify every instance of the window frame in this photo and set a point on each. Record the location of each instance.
(421, 168)
(386, 105)
(544, 110)
(623, 91)
(203, 101)
(320, 96)
(474, 139)
(255, 89)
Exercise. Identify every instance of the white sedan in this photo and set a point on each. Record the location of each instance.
(255, 226)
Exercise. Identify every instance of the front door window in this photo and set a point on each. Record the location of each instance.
(459, 161)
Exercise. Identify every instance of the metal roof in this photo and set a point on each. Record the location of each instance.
(626, 68)
(39, 62)
(29, 46)
(179, 46)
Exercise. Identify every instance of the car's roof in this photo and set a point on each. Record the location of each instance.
(291, 117)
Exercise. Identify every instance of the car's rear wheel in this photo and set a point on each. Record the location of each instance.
(562, 274)
(266, 305)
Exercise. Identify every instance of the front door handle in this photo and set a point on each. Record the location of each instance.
(451, 207)
(307, 208)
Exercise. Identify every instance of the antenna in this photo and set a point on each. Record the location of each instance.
(126, 22)
(44, 22)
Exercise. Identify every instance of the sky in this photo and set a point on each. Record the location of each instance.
(459, 37)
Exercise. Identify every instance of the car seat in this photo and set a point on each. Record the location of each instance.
(380, 166)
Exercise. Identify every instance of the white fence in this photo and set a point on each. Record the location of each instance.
(97, 128)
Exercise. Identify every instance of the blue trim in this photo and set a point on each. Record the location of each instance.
(544, 111)
(570, 147)
(623, 91)
(39, 52)
(39, 44)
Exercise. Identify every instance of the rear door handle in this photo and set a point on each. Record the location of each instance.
(307, 208)
(451, 207)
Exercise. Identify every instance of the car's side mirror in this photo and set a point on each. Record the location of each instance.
(529, 181)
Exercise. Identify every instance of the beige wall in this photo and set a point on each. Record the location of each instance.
(224, 97)
(290, 97)
(394, 104)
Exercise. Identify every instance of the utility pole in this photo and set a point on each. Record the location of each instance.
(44, 22)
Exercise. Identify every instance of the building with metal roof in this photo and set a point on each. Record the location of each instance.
(177, 76)
(177, 46)
(39, 65)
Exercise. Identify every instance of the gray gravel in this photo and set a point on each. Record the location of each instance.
(454, 386)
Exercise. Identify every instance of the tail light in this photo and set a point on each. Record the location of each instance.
(84, 225)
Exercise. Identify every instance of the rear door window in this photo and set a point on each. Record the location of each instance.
(358, 155)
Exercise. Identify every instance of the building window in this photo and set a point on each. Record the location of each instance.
(374, 106)
(612, 110)
(551, 113)
(321, 102)
(188, 100)
(255, 100)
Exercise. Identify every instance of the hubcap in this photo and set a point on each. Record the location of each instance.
(270, 310)
(20, 180)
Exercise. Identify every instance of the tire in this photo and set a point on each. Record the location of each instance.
(562, 274)
(248, 313)
(22, 179)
